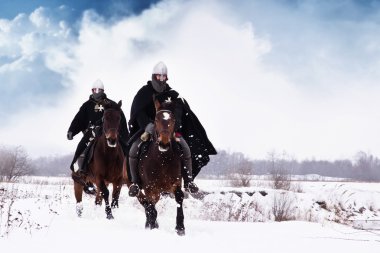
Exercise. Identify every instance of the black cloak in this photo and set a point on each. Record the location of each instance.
(91, 113)
(191, 130)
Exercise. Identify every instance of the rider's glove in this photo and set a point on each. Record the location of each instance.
(69, 135)
(145, 136)
(148, 131)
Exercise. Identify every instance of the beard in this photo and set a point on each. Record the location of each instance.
(158, 86)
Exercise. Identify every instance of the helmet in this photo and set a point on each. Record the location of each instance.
(160, 68)
(98, 90)
(98, 84)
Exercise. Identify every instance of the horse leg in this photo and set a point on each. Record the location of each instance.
(116, 193)
(180, 227)
(99, 197)
(78, 190)
(151, 215)
(105, 193)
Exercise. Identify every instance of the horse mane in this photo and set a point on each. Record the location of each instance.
(164, 102)
(109, 104)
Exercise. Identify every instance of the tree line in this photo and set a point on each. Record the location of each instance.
(363, 167)
(14, 163)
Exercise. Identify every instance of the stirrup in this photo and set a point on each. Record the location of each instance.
(133, 190)
(191, 187)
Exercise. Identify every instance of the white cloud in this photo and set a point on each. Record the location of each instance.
(224, 68)
(39, 18)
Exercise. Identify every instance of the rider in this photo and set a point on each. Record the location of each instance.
(192, 137)
(88, 121)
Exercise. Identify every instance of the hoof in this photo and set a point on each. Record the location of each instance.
(114, 205)
(151, 226)
(191, 187)
(79, 209)
(180, 231)
(109, 213)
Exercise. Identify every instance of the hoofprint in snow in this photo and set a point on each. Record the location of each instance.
(43, 219)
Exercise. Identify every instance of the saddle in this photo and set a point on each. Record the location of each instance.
(143, 147)
(90, 154)
(89, 151)
(143, 150)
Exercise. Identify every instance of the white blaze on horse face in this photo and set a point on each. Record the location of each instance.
(166, 116)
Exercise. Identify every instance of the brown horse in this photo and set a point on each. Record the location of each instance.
(107, 163)
(160, 168)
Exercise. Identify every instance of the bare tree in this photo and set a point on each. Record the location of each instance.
(14, 163)
(283, 207)
(367, 167)
(240, 170)
(243, 172)
(280, 175)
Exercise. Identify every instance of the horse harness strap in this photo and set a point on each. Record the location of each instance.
(104, 129)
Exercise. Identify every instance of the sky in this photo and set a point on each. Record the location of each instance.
(294, 76)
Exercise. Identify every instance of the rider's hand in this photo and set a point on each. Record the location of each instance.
(145, 136)
(69, 135)
(148, 131)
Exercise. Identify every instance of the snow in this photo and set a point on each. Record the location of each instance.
(50, 223)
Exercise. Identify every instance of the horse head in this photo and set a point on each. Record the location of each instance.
(111, 123)
(164, 123)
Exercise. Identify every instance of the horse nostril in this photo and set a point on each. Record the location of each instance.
(111, 134)
(164, 139)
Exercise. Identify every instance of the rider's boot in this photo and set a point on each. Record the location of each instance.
(79, 164)
(80, 169)
(134, 187)
(89, 188)
(187, 174)
(76, 167)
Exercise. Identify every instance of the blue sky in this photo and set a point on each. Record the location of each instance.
(37, 80)
(107, 8)
(299, 76)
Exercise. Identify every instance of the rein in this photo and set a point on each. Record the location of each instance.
(164, 111)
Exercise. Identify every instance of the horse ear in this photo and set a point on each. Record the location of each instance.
(119, 104)
(157, 104)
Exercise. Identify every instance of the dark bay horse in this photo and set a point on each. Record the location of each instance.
(107, 162)
(160, 167)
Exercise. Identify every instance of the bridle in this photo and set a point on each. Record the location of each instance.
(157, 134)
(113, 128)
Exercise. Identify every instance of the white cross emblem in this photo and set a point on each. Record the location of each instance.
(168, 100)
(99, 108)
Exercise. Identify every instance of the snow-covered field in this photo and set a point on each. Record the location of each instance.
(219, 219)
